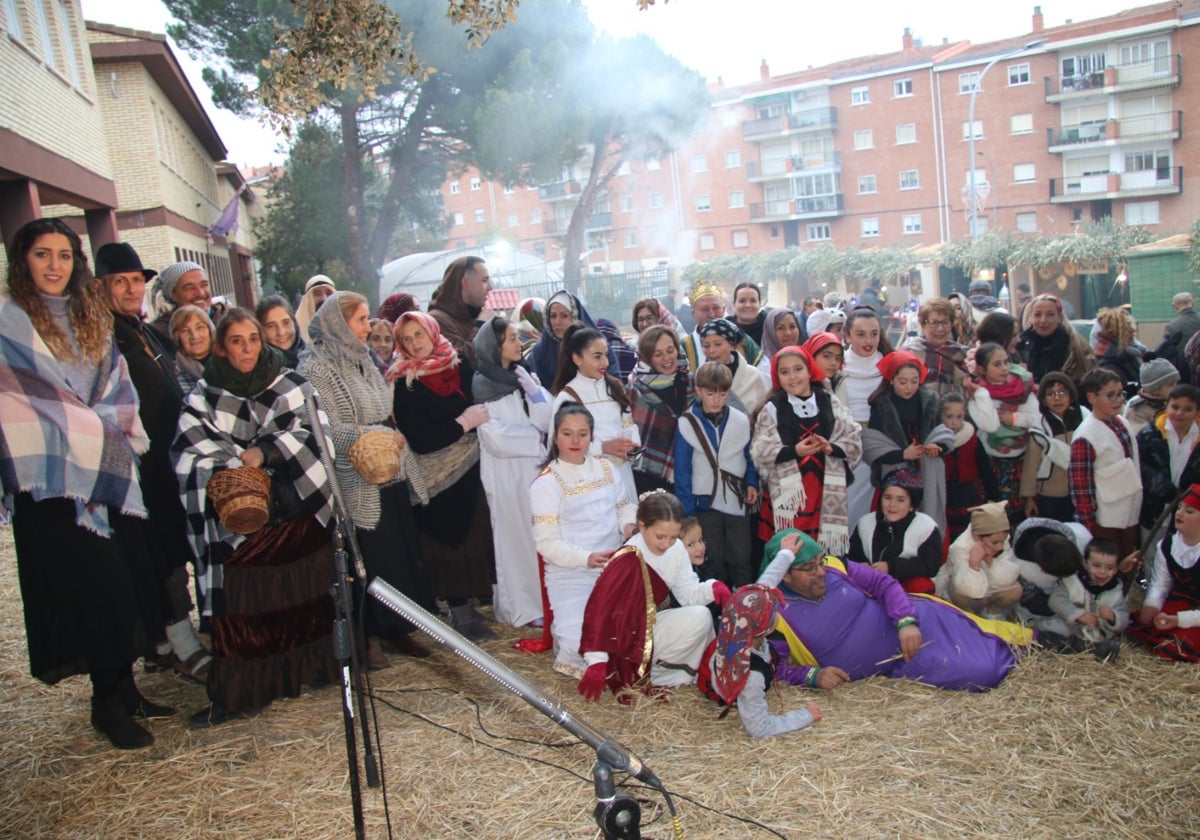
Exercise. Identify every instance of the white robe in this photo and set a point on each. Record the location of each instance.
(576, 510)
(611, 424)
(681, 634)
(511, 451)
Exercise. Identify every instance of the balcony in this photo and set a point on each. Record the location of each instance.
(1166, 71)
(1109, 185)
(559, 191)
(816, 119)
(599, 221)
(551, 226)
(808, 207)
(1165, 125)
(777, 169)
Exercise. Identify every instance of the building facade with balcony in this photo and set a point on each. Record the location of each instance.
(1072, 123)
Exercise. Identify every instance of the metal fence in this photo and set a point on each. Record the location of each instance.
(610, 296)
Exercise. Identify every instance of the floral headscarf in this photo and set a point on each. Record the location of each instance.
(749, 614)
(438, 370)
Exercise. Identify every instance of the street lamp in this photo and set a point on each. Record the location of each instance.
(971, 126)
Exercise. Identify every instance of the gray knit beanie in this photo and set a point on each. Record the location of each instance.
(1156, 374)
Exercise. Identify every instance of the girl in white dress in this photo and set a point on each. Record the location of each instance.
(581, 514)
(511, 453)
(867, 344)
(583, 378)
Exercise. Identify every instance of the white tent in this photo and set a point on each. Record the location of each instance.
(420, 274)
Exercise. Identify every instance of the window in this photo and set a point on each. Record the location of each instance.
(968, 82)
(1023, 173)
(1141, 213)
(623, 169)
(631, 239)
(508, 190)
(910, 179)
(1027, 222)
(656, 200)
(44, 31)
(1157, 53)
(512, 219)
(818, 232)
(869, 227)
(902, 87)
(703, 205)
(476, 183)
(626, 204)
(63, 10)
(981, 225)
(967, 129)
(912, 224)
(539, 248)
(479, 216)
(707, 242)
(864, 139)
(458, 218)
(866, 184)
(1018, 74)
(653, 164)
(906, 133)
(860, 95)
(699, 163)
(1021, 123)
(1156, 162)
(736, 199)
(741, 239)
(535, 216)
(733, 158)
(12, 18)
(1079, 70)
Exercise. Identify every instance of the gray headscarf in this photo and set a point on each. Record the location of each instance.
(492, 380)
(332, 342)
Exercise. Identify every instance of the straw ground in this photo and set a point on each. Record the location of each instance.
(1066, 747)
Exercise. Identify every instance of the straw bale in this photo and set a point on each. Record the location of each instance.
(1065, 747)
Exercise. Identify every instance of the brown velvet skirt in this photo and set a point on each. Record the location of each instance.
(273, 617)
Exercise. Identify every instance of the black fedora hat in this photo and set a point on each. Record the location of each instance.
(119, 258)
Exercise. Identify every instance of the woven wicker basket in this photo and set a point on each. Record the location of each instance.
(376, 456)
(241, 497)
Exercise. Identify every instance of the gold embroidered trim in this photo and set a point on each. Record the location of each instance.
(587, 486)
(545, 518)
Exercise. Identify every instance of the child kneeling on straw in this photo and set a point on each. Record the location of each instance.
(740, 669)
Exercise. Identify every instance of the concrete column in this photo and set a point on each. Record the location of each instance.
(101, 226)
(19, 203)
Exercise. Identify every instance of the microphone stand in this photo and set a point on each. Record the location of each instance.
(345, 646)
(617, 814)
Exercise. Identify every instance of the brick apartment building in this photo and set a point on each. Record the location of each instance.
(1071, 123)
(99, 124)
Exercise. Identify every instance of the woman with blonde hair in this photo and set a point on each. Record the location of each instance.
(194, 335)
(1114, 340)
(1050, 343)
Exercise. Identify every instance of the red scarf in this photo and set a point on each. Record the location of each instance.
(439, 370)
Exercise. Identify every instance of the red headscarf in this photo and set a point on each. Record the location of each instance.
(820, 341)
(897, 359)
(749, 613)
(1192, 497)
(815, 374)
(438, 371)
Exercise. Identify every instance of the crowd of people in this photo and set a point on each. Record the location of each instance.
(731, 496)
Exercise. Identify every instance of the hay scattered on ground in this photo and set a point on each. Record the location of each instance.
(1066, 747)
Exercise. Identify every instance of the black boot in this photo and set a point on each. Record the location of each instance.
(137, 705)
(110, 717)
(1060, 643)
(1107, 650)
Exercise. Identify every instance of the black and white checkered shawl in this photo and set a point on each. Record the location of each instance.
(216, 427)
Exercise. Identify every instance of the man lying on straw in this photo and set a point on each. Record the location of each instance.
(845, 621)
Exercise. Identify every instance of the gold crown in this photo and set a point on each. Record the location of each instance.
(704, 289)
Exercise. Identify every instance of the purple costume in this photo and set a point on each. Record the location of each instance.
(853, 627)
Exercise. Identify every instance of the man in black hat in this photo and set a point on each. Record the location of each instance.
(150, 356)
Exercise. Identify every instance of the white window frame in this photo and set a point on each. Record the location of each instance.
(62, 9)
(911, 223)
(733, 158)
(535, 216)
(1021, 223)
(818, 232)
(48, 51)
(703, 203)
(656, 201)
(914, 178)
(867, 185)
(968, 82)
(864, 139)
(1140, 213)
(740, 238)
(630, 239)
(512, 218)
(966, 129)
(699, 163)
(869, 228)
(707, 242)
(737, 199)
(480, 214)
(626, 204)
(12, 20)
(653, 164)
(1018, 74)
(1024, 173)
(476, 183)
(457, 219)
(902, 88)
(860, 95)
(906, 133)
(1017, 124)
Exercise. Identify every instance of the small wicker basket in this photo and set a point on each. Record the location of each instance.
(376, 456)
(241, 497)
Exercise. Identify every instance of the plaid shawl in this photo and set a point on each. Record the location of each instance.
(656, 421)
(56, 443)
(216, 426)
(947, 364)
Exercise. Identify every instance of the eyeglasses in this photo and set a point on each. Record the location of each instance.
(809, 568)
(1113, 396)
(646, 319)
(1059, 393)
(942, 324)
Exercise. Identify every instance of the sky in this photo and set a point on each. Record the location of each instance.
(720, 38)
